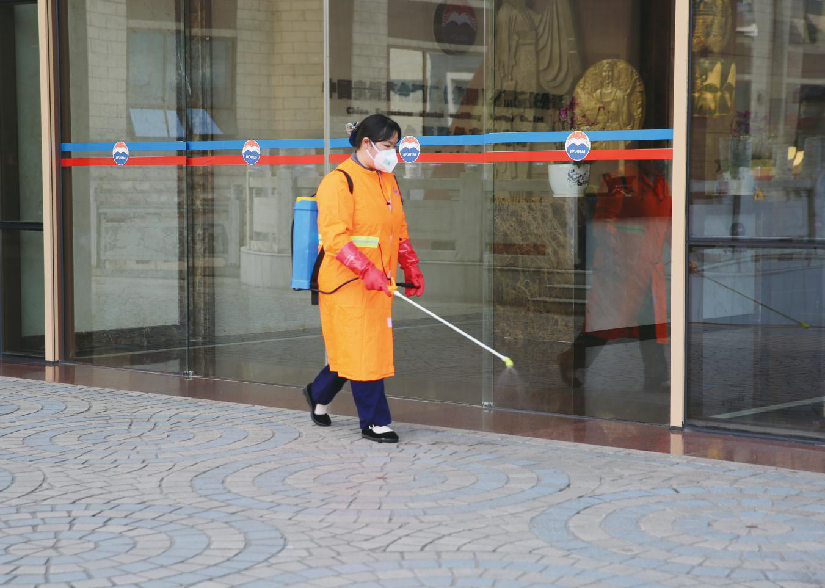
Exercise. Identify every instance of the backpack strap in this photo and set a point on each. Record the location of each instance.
(313, 281)
(349, 179)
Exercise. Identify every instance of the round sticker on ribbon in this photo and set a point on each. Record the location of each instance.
(577, 145)
(251, 152)
(120, 153)
(409, 149)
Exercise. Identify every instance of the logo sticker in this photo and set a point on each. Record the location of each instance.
(120, 153)
(577, 145)
(409, 149)
(251, 152)
(455, 26)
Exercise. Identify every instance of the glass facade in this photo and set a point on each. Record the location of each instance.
(180, 259)
(22, 324)
(756, 219)
(177, 251)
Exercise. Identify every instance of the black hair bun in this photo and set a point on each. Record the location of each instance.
(352, 129)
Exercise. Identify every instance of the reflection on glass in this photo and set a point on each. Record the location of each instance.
(21, 183)
(21, 247)
(23, 292)
(256, 73)
(125, 251)
(155, 123)
(756, 337)
(627, 297)
(579, 251)
(187, 268)
(757, 180)
(757, 136)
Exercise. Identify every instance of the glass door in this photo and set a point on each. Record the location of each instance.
(124, 120)
(579, 260)
(756, 224)
(254, 109)
(21, 203)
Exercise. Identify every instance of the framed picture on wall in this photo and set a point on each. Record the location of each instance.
(456, 88)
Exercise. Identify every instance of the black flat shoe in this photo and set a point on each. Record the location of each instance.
(387, 437)
(322, 420)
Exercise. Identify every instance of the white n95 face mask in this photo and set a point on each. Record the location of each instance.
(385, 160)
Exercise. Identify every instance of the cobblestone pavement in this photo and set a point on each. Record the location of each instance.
(104, 487)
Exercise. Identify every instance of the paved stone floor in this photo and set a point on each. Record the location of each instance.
(103, 487)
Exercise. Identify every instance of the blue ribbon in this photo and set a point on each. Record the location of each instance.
(442, 140)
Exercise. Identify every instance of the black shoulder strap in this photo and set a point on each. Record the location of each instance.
(349, 179)
(313, 281)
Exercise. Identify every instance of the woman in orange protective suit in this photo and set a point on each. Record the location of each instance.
(364, 235)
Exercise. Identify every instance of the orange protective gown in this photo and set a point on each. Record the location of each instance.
(356, 322)
(632, 225)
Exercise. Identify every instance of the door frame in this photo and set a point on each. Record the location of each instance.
(52, 209)
(678, 268)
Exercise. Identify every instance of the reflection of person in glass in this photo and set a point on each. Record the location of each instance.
(614, 102)
(363, 229)
(627, 298)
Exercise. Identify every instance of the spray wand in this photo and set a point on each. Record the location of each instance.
(394, 289)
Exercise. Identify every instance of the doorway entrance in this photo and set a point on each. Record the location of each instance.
(22, 324)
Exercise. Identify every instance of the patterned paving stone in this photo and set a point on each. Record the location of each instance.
(16, 481)
(170, 432)
(25, 407)
(728, 526)
(104, 488)
(408, 481)
(123, 540)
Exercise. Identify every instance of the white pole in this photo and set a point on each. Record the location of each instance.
(507, 361)
(327, 97)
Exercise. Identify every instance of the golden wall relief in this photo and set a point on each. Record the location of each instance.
(610, 97)
(714, 87)
(712, 25)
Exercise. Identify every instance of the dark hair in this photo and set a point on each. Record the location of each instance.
(376, 127)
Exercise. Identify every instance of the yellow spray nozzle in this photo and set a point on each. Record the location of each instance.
(508, 362)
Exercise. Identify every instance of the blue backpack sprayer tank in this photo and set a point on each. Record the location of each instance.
(304, 241)
(307, 257)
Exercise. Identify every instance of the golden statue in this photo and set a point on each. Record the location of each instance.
(711, 95)
(610, 97)
(712, 25)
(535, 53)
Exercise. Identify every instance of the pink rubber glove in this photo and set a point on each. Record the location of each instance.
(372, 277)
(408, 261)
(413, 275)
